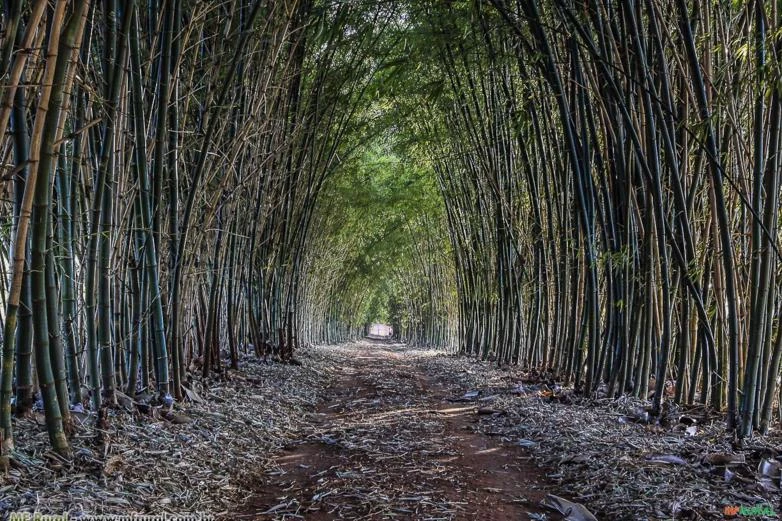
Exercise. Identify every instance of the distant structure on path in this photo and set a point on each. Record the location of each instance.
(380, 331)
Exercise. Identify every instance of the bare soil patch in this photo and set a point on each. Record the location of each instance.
(393, 440)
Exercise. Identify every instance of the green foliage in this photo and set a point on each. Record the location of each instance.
(373, 207)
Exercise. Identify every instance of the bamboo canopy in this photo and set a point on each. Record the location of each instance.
(586, 189)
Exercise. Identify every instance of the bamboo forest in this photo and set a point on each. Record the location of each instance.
(390, 259)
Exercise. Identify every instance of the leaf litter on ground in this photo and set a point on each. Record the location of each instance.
(614, 458)
(606, 455)
(199, 458)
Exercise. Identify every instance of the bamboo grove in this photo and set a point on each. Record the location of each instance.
(162, 161)
(611, 176)
(383, 253)
(585, 188)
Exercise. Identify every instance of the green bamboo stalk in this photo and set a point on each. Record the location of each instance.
(61, 55)
(20, 238)
(150, 253)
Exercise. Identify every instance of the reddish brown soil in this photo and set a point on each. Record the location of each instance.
(467, 476)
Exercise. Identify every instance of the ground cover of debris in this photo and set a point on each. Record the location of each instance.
(373, 430)
(610, 456)
(194, 460)
(394, 438)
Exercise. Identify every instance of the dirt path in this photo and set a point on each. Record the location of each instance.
(393, 441)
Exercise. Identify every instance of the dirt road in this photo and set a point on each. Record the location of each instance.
(394, 439)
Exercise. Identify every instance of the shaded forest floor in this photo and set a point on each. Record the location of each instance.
(395, 438)
(381, 431)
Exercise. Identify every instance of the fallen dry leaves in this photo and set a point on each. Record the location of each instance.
(201, 458)
(213, 451)
(611, 456)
